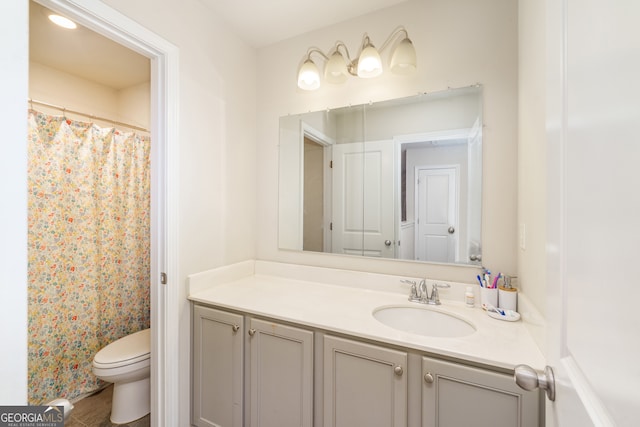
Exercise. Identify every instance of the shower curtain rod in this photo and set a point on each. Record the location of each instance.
(91, 116)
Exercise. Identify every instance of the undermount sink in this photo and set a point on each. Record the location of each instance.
(423, 321)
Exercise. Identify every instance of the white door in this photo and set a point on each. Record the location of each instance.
(593, 206)
(362, 219)
(436, 214)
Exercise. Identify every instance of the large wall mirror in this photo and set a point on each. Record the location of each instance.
(395, 179)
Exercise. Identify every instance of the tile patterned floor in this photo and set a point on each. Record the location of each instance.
(94, 411)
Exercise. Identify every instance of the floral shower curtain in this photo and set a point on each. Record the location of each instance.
(89, 249)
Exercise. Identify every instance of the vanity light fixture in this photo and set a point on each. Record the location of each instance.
(368, 64)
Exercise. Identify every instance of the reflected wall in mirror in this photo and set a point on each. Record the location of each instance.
(396, 179)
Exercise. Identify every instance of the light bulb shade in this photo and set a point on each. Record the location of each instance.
(403, 60)
(308, 76)
(336, 69)
(369, 63)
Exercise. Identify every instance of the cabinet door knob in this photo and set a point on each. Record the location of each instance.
(235, 328)
(252, 332)
(428, 378)
(398, 370)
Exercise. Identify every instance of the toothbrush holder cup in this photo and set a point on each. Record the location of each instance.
(489, 296)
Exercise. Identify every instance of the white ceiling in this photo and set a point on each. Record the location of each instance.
(84, 53)
(261, 23)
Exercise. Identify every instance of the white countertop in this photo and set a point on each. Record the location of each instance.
(348, 310)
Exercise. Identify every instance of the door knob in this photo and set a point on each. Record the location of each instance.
(428, 378)
(398, 370)
(527, 378)
(235, 328)
(451, 230)
(252, 332)
(387, 242)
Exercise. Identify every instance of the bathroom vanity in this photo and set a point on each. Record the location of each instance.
(287, 345)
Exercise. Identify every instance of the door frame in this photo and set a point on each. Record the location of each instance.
(164, 190)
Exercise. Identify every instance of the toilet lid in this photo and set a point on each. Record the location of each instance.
(126, 350)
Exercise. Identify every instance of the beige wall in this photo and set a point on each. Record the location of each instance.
(133, 105)
(130, 105)
(532, 164)
(458, 44)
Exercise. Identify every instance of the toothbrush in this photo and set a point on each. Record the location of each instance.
(480, 280)
(489, 307)
(495, 281)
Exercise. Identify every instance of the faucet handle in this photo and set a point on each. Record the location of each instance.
(413, 295)
(435, 297)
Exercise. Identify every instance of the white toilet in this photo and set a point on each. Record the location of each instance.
(126, 364)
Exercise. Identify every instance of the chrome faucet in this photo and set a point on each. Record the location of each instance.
(420, 293)
(424, 292)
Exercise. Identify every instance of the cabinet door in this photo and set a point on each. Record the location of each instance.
(217, 368)
(281, 375)
(364, 385)
(456, 395)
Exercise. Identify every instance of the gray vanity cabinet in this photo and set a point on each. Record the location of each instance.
(259, 373)
(281, 375)
(455, 395)
(364, 384)
(217, 379)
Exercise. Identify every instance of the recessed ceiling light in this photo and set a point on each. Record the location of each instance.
(63, 22)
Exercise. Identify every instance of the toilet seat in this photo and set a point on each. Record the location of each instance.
(125, 351)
